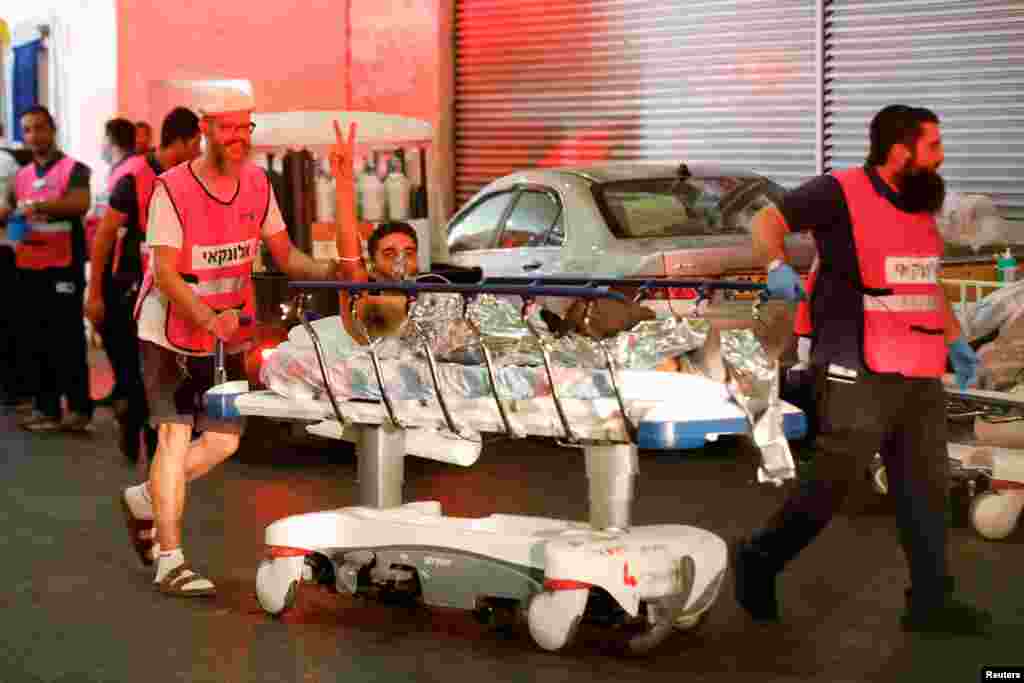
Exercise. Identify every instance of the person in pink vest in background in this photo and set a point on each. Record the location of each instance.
(143, 138)
(52, 195)
(119, 259)
(207, 218)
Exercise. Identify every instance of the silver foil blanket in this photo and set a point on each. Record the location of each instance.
(453, 330)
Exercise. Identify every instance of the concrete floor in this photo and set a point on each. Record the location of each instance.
(79, 607)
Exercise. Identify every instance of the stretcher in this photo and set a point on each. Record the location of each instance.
(555, 574)
(987, 470)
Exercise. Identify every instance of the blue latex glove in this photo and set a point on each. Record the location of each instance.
(965, 363)
(784, 283)
(16, 228)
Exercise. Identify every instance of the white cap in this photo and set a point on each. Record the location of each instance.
(210, 98)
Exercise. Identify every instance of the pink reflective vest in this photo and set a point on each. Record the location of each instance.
(219, 244)
(899, 255)
(145, 180)
(45, 245)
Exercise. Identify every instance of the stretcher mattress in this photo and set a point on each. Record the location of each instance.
(670, 410)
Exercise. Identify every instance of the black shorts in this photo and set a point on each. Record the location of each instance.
(175, 384)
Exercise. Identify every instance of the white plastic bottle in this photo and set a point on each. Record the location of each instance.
(372, 195)
(1006, 265)
(324, 196)
(357, 193)
(399, 189)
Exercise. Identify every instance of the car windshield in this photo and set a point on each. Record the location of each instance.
(687, 207)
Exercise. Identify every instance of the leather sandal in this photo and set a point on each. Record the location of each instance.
(46, 425)
(178, 582)
(141, 532)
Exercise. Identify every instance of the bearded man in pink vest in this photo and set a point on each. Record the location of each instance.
(52, 195)
(883, 332)
(119, 258)
(207, 219)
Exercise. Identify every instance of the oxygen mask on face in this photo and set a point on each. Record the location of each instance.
(400, 270)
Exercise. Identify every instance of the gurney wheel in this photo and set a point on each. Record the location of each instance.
(287, 602)
(660, 626)
(692, 624)
(554, 617)
(277, 584)
(994, 515)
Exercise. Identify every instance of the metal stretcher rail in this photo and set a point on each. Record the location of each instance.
(527, 292)
(523, 290)
(611, 466)
(991, 406)
(529, 288)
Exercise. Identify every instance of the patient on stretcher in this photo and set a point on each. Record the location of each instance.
(391, 252)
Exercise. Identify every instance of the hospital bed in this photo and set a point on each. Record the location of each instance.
(647, 580)
(986, 467)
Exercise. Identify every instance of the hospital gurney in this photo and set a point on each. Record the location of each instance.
(986, 470)
(651, 578)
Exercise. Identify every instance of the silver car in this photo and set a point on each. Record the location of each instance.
(618, 220)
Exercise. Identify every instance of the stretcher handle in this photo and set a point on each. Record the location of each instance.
(436, 379)
(526, 291)
(524, 313)
(374, 358)
(305, 317)
(631, 430)
(491, 375)
(220, 373)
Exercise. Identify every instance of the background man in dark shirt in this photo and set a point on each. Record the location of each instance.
(143, 138)
(110, 304)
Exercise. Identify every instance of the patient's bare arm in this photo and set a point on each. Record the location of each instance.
(381, 316)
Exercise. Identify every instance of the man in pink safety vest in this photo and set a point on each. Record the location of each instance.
(52, 195)
(207, 218)
(119, 260)
(882, 333)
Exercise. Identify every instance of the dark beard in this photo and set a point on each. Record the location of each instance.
(922, 190)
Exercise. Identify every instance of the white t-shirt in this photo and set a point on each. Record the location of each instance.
(164, 230)
(8, 169)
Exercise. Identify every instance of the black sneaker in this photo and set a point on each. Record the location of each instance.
(755, 582)
(951, 617)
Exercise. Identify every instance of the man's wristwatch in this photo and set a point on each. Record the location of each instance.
(774, 264)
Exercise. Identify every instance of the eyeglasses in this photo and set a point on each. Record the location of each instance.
(241, 129)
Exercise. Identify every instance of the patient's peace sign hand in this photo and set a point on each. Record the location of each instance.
(343, 153)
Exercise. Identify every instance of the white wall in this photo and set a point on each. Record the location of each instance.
(81, 79)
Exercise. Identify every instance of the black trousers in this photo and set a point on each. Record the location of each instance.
(904, 420)
(16, 381)
(121, 340)
(55, 338)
